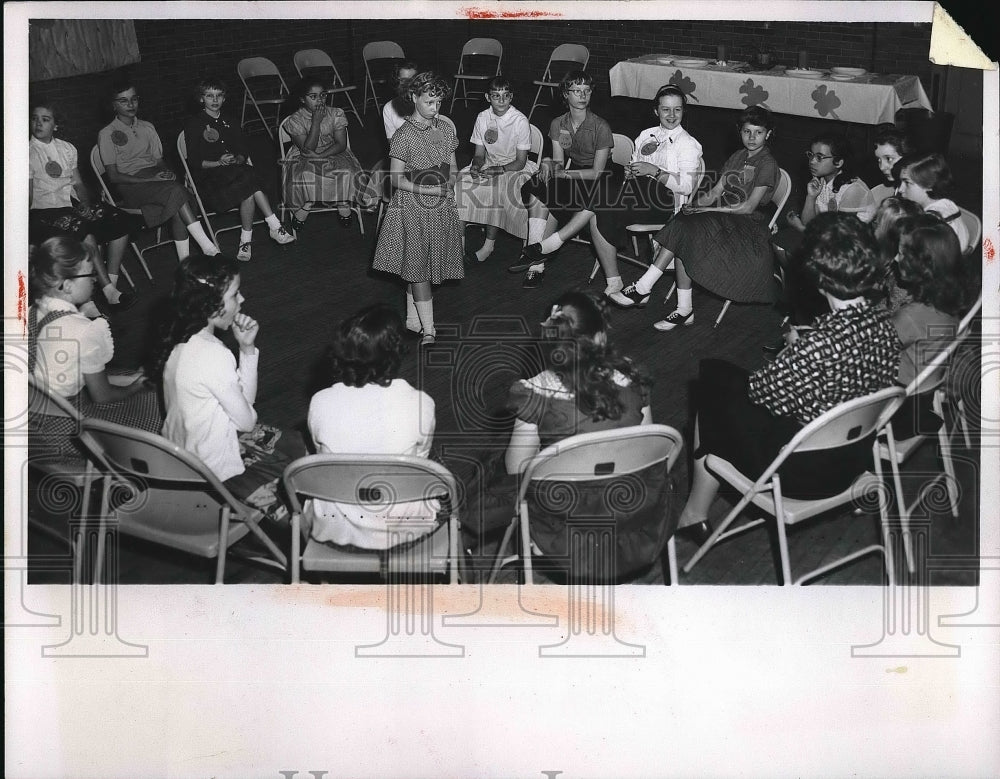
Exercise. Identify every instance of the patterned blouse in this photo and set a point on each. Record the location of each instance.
(849, 353)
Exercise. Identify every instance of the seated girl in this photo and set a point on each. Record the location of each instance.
(489, 190)
(725, 247)
(53, 184)
(395, 111)
(890, 147)
(555, 193)
(132, 155)
(219, 161)
(209, 396)
(924, 179)
(69, 353)
(889, 215)
(746, 418)
(398, 419)
(320, 167)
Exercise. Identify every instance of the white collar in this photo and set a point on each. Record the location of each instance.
(49, 303)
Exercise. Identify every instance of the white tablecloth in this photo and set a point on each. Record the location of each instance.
(870, 99)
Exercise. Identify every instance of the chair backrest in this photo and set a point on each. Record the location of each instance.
(380, 50)
(967, 319)
(481, 47)
(41, 400)
(975, 227)
(306, 59)
(448, 120)
(569, 52)
(98, 165)
(537, 142)
(932, 373)
(781, 193)
(623, 149)
(255, 67)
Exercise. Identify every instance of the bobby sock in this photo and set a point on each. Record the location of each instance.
(301, 214)
(273, 222)
(412, 317)
(198, 233)
(645, 284)
(539, 266)
(183, 249)
(551, 243)
(487, 249)
(113, 278)
(614, 285)
(111, 294)
(684, 301)
(425, 310)
(245, 236)
(536, 229)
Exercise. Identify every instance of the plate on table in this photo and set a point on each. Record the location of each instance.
(690, 63)
(842, 77)
(803, 73)
(665, 60)
(852, 72)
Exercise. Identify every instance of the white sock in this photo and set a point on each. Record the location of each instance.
(273, 222)
(245, 236)
(412, 317)
(536, 229)
(183, 249)
(487, 249)
(112, 294)
(684, 301)
(538, 266)
(551, 243)
(425, 310)
(614, 285)
(645, 285)
(198, 233)
(113, 278)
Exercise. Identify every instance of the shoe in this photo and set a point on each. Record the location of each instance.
(243, 255)
(427, 339)
(281, 235)
(296, 224)
(674, 320)
(470, 258)
(698, 533)
(533, 279)
(412, 332)
(530, 255)
(628, 298)
(125, 301)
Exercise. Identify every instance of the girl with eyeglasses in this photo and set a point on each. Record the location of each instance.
(69, 353)
(321, 167)
(132, 155)
(489, 189)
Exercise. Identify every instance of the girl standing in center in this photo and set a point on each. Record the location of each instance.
(421, 238)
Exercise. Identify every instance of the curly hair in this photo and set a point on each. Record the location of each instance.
(427, 83)
(930, 263)
(885, 223)
(757, 116)
(52, 262)
(930, 171)
(841, 150)
(368, 347)
(46, 101)
(576, 348)
(575, 78)
(840, 254)
(199, 286)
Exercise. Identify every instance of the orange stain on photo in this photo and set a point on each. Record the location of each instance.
(22, 303)
(483, 13)
(988, 251)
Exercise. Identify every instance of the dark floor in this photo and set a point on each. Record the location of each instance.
(299, 292)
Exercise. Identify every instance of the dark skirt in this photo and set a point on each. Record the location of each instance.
(640, 201)
(223, 189)
(749, 437)
(105, 223)
(565, 197)
(158, 200)
(728, 254)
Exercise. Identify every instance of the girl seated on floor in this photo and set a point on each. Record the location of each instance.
(220, 163)
(924, 179)
(398, 419)
(132, 155)
(69, 353)
(209, 396)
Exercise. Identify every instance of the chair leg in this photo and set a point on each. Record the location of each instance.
(944, 440)
(142, 259)
(220, 561)
(597, 267)
(963, 422)
(901, 507)
(102, 530)
(673, 289)
(263, 121)
(502, 550)
(779, 517)
(296, 558)
(883, 514)
(722, 313)
(672, 561)
(127, 275)
(535, 103)
(354, 108)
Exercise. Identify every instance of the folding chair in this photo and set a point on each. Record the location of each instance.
(573, 54)
(382, 51)
(193, 188)
(607, 460)
(842, 424)
(176, 500)
(285, 145)
(476, 47)
(958, 403)
(271, 89)
(537, 143)
(318, 62)
(98, 165)
(370, 481)
(975, 227)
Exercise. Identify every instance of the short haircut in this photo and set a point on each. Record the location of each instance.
(399, 67)
(886, 222)
(499, 82)
(211, 82)
(52, 262)
(840, 254)
(670, 89)
(119, 84)
(367, 347)
(757, 116)
(930, 171)
(930, 263)
(576, 78)
(896, 138)
(841, 150)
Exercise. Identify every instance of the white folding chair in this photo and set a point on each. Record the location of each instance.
(537, 143)
(850, 421)
(476, 47)
(318, 62)
(975, 227)
(263, 85)
(375, 481)
(385, 52)
(98, 165)
(285, 145)
(607, 460)
(573, 54)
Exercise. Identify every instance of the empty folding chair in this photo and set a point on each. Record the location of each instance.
(263, 85)
(469, 69)
(569, 56)
(378, 56)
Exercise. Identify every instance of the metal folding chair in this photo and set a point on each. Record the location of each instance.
(318, 62)
(573, 54)
(386, 52)
(476, 47)
(263, 85)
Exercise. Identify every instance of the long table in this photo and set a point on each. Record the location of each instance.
(868, 99)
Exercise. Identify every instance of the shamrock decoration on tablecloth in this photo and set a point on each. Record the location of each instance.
(683, 83)
(754, 94)
(826, 101)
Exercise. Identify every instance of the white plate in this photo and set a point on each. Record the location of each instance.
(842, 77)
(665, 60)
(803, 73)
(852, 72)
(690, 63)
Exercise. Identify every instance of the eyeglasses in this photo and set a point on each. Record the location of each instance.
(127, 100)
(91, 275)
(580, 92)
(812, 157)
(318, 95)
(501, 95)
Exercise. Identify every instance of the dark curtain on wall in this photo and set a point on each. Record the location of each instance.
(71, 47)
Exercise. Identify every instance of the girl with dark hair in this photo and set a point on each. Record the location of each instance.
(321, 167)
(69, 353)
(924, 179)
(220, 163)
(891, 145)
(853, 351)
(556, 194)
(208, 396)
(889, 215)
(723, 242)
(421, 237)
(366, 354)
(832, 186)
(395, 111)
